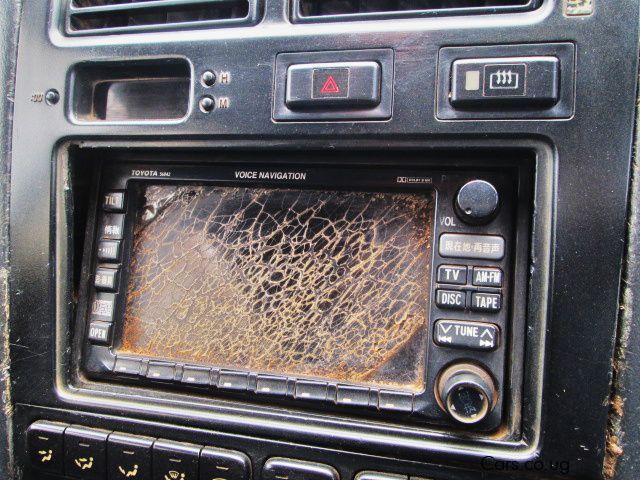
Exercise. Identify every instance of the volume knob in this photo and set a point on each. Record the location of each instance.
(477, 202)
(466, 392)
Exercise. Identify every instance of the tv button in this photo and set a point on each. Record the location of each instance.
(452, 274)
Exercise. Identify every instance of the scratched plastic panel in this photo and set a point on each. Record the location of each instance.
(310, 284)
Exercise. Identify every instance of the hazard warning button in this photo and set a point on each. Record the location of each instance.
(333, 85)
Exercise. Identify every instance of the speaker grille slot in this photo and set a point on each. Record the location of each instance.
(336, 10)
(86, 17)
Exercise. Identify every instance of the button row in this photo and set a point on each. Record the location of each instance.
(480, 276)
(476, 301)
(95, 454)
(346, 395)
(107, 276)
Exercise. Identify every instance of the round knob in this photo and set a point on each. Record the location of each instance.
(477, 202)
(466, 392)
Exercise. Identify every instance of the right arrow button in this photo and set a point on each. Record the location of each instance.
(467, 335)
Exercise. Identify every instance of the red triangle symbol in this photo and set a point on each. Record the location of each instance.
(330, 86)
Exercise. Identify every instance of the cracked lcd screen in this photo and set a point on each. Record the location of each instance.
(329, 285)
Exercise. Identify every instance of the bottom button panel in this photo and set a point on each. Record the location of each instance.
(175, 461)
(379, 476)
(283, 468)
(216, 463)
(45, 445)
(128, 457)
(85, 453)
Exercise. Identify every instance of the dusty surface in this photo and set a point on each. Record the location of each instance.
(315, 284)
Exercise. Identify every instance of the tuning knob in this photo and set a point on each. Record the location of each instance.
(477, 202)
(466, 392)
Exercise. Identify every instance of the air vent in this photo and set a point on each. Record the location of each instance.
(337, 10)
(86, 17)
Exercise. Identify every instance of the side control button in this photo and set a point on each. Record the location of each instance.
(112, 226)
(113, 201)
(469, 335)
(357, 396)
(487, 277)
(128, 457)
(269, 385)
(379, 476)
(102, 307)
(452, 274)
(174, 460)
(85, 453)
(106, 279)
(233, 380)
(482, 247)
(311, 390)
(216, 463)
(100, 333)
(128, 366)
(45, 445)
(486, 302)
(395, 401)
(280, 468)
(451, 299)
(161, 371)
(196, 375)
(109, 250)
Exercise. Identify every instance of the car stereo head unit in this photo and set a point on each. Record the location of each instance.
(379, 290)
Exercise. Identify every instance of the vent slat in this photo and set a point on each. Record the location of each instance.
(121, 16)
(145, 5)
(335, 10)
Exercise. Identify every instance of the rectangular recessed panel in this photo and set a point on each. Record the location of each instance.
(335, 9)
(314, 284)
(112, 16)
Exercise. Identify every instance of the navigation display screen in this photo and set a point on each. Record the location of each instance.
(329, 285)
